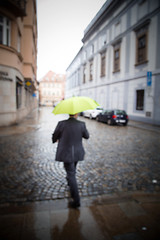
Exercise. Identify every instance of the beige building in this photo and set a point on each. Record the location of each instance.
(18, 59)
(51, 89)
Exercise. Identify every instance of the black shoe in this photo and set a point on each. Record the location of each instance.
(74, 204)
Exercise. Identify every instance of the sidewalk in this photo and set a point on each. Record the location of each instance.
(145, 126)
(29, 123)
(125, 216)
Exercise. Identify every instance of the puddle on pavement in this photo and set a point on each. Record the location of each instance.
(44, 220)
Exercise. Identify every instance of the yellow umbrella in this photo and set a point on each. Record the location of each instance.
(75, 105)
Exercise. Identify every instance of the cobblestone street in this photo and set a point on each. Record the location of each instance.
(118, 159)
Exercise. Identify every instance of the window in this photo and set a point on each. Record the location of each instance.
(4, 31)
(91, 70)
(142, 42)
(18, 94)
(140, 100)
(117, 59)
(116, 55)
(103, 64)
(27, 97)
(19, 42)
(84, 73)
(141, 49)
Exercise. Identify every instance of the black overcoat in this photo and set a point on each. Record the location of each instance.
(69, 134)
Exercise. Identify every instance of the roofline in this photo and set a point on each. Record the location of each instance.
(74, 58)
(100, 17)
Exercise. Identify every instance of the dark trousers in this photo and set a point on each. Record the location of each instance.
(71, 178)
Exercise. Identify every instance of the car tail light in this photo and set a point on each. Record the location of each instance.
(127, 116)
(114, 116)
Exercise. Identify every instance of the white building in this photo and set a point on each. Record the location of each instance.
(119, 63)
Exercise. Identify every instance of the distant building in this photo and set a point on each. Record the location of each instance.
(51, 88)
(18, 59)
(119, 63)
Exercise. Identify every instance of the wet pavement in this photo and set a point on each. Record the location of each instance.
(131, 216)
(119, 182)
(117, 159)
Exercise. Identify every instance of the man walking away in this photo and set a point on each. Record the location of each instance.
(69, 134)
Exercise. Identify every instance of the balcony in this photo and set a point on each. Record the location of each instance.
(17, 7)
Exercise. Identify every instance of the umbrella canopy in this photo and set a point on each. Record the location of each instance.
(75, 105)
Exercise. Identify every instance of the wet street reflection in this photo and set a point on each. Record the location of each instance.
(71, 229)
(76, 224)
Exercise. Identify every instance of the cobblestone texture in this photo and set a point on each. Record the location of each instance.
(117, 159)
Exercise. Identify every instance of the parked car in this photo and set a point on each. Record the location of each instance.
(114, 116)
(92, 113)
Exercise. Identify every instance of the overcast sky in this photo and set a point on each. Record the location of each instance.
(61, 25)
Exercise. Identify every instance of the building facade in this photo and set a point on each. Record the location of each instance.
(51, 89)
(119, 62)
(18, 59)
